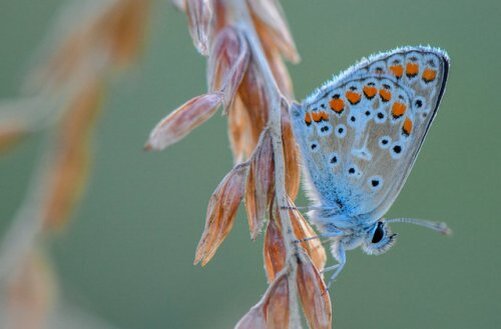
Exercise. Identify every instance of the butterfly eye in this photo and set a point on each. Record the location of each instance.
(382, 239)
(378, 233)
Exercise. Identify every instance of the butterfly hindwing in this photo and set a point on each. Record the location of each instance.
(360, 133)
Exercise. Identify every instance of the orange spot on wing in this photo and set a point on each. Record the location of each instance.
(370, 92)
(319, 116)
(385, 95)
(337, 105)
(407, 127)
(316, 116)
(398, 109)
(429, 75)
(397, 70)
(307, 118)
(412, 69)
(353, 97)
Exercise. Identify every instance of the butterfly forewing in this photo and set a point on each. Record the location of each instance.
(360, 133)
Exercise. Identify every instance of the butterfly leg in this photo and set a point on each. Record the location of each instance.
(319, 236)
(329, 268)
(340, 256)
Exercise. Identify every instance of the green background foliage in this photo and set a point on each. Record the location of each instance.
(127, 254)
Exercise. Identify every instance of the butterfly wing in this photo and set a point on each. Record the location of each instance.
(360, 133)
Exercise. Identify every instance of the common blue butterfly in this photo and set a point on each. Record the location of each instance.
(359, 136)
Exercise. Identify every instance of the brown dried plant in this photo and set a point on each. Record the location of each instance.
(245, 42)
(92, 40)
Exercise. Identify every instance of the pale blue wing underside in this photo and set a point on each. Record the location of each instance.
(359, 134)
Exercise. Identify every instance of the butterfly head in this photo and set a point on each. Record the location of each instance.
(379, 239)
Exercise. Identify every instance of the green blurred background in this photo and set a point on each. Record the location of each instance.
(127, 255)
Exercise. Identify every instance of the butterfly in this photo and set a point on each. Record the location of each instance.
(359, 136)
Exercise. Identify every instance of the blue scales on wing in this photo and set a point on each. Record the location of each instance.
(360, 133)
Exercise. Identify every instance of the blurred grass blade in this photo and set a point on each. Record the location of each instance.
(183, 120)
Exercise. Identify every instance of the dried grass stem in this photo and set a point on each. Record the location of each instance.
(274, 125)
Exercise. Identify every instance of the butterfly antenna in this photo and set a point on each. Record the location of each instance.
(439, 227)
(319, 237)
